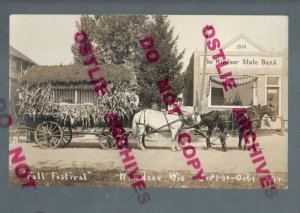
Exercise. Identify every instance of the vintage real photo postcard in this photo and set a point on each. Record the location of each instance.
(143, 101)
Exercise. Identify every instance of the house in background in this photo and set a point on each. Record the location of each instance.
(18, 64)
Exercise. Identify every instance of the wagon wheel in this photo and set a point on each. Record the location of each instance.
(11, 136)
(67, 136)
(48, 134)
(14, 135)
(106, 140)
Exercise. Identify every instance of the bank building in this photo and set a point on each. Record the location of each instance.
(261, 76)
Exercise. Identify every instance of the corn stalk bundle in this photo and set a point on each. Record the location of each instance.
(85, 116)
(37, 101)
(34, 100)
(122, 100)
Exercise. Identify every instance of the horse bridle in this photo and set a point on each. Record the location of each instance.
(184, 117)
(259, 113)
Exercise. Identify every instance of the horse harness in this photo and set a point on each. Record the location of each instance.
(181, 118)
(164, 113)
(257, 118)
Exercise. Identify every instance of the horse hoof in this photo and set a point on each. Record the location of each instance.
(141, 148)
(173, 149)
(178, 148)
(240, 148)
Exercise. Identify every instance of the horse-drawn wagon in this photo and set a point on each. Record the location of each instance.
(56, 128)
(55, 124)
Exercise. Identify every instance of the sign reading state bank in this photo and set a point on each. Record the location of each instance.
(243, 52)
(249, 62)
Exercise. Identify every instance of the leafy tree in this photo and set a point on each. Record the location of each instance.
(116, 40)
(168, 66)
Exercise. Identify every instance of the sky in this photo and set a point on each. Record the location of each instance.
(47, 39)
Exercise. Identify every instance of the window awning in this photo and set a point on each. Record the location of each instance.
(239, 80)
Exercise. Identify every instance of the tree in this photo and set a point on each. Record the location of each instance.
(168, 66)
(116, 41)
(114, 38)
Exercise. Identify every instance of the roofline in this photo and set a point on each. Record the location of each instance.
(24, 57)
(258, 46)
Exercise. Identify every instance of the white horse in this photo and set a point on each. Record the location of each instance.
(148, 121)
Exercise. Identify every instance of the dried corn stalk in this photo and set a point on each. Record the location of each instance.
(38, 101)
(121, 100)
(34, 100)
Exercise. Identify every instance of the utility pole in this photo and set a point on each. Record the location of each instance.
(203, 74)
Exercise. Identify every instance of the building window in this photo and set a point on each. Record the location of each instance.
(85, 96)
(18, 65)
(242, 95)
(25, 66)
(14, 63)
(64, 96)
(273, 86)
(72, 96)
(273, 80)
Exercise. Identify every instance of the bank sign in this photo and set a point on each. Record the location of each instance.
(247, 62)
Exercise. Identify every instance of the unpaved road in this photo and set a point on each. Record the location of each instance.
(84, 152)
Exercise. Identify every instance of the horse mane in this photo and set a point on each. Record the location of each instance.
(258, 109)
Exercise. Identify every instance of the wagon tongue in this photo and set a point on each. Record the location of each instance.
(200, 133)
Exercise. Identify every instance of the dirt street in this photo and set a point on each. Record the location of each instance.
(93, 167)
(84, 152)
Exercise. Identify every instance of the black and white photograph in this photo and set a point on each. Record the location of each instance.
(174, 101)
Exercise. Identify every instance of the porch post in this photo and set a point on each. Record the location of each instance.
(76, 99)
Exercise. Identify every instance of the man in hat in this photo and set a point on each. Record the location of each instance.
(179, 102)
